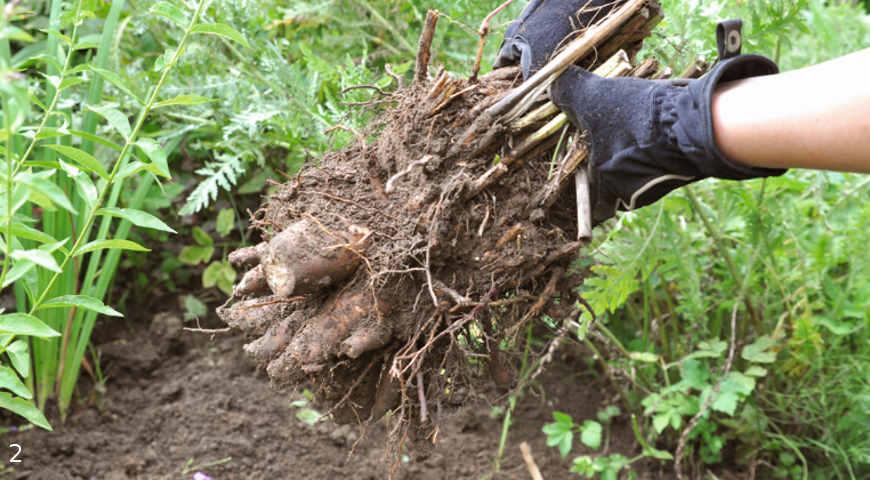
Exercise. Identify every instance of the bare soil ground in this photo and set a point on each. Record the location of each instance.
(179, 401)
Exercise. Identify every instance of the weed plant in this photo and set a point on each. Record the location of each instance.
(68, 154)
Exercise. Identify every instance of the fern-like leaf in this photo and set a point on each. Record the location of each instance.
(220, 175)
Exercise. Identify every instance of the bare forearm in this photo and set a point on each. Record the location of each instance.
(817, 117)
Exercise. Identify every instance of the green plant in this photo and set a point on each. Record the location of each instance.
(787, 273)
(561, 432)
(52, 201)
(280, 108)
(304, 412)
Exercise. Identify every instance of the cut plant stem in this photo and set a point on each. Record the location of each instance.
(573, 52)
(482, 32)
(539, 114)
(696, 69)
(616, 66)
(634, 31)
(523, 97)
(424, 50)
(584, 204)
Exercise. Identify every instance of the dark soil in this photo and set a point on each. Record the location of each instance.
(178, 401)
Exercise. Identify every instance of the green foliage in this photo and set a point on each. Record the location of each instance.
(202, 252)
(194, 308)
(277, 86)
(304, 412)
(63, 170)
(783, 255)
(793, 32)
(221, 275)
(560, 434)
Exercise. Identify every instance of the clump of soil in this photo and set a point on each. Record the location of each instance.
(400, 270)
(388, 266)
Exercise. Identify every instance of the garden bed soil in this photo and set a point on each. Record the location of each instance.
(177, 401)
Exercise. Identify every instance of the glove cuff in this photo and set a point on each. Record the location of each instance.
(735, 68)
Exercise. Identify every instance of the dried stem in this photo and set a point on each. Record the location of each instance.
(424, 50)
(483, 32)
(574, 51)
(534, 471)
(584, 204)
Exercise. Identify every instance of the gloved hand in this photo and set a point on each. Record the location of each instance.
(648, 137)
(545, 25)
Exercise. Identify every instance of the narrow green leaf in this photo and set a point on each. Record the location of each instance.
(17, 271)
(170, 12)
(24, 408)
(138, 218)
(156, 154)
(70, 82)
(756, 371)
(110, 245)
(81, 301)
(25, 57)
(83, 159)
(39, 257)
(182, 100)
(87, 189)
(60, 132)
(26, 325)
(116, 119)
(48, 189)
(10, 381)
(657, 454)
(838, 327)
(118, 82)
(54, 33)
(25, 231)
(9, 32)
(134, 168)
(19, 355)
(221, 30)
(87, 42)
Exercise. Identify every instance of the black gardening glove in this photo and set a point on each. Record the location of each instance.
(648, 137)
(545, 25)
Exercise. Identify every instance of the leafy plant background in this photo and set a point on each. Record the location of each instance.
(783, 258)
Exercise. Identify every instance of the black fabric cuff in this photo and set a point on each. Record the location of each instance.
(736, 68)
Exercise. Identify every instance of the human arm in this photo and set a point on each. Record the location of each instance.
(742, 120)
(817, 117)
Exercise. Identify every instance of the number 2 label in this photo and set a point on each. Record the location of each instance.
(14, 458)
